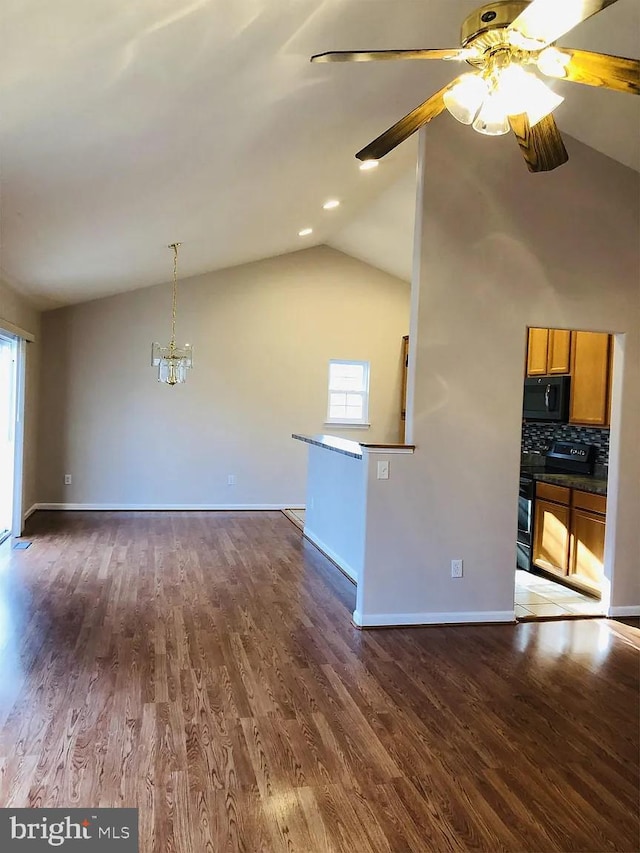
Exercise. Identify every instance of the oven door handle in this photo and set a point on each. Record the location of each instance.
(547, 396)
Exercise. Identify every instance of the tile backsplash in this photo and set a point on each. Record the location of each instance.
(538, 436)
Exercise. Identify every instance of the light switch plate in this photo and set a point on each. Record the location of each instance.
(383, 470)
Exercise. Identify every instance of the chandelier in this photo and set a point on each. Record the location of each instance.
(172, 361)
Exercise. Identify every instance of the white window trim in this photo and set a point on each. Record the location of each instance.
(350, 423)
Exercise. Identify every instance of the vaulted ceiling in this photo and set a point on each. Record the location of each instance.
(127, 126)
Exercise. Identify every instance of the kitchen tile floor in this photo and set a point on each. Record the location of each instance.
(296, 516)
(538, 597)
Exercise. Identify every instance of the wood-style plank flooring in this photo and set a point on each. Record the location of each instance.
(203, 668)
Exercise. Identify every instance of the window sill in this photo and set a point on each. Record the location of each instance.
(343, 425)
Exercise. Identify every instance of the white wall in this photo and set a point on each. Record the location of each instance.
(18, 311)
(336, 507)
(500, 249)
(263, 334)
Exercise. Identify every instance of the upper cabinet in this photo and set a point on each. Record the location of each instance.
(586, 356)
(537, 349)
(559, 351)
(590, 371)
(548, 352)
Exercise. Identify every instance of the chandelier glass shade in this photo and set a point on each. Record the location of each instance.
(486, 100)
(172, 361)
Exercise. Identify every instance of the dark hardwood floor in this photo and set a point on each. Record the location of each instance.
(202, 667)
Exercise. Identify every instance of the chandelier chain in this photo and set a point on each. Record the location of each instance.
(172, 344)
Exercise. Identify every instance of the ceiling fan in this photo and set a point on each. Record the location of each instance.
(501, 40)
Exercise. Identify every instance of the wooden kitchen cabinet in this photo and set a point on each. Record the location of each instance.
(568, 536)
(548, 352)
(584, 355)
(551, 536)
(590, 378)
(537, 352)
(586, 562)
(559, 351)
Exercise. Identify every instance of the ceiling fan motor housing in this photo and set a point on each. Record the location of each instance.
(484, 28)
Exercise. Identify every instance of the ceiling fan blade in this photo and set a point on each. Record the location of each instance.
(408, 125)
(544, 21)
(373, 55)
(541, 145)
(601, 69)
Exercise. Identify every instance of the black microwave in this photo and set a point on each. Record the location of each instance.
(546, 398)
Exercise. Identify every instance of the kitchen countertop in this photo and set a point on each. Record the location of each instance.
(332, 442)
(351, 448)
(573, 481)
(533, 464)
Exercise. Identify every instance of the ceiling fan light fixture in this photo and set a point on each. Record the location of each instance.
(553, 62)
(492, 120)
(522, 42)
(521, 91)
(543, 102)
(465, 99)
(515, 91)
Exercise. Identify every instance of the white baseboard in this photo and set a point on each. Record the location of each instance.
(631, 610)
(348, 570)
(30, 511)
(380, 620)
(122, 507)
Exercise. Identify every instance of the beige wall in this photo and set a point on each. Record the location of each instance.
(501, 249)
(17, 311)
(262, 335)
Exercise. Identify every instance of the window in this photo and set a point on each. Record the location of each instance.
(348, 392)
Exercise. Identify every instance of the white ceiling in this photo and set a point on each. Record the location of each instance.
(382, 233)
(126, 126)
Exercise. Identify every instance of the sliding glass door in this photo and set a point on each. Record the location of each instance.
(8, 414)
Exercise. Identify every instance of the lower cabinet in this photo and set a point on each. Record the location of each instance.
(568, 538)
(587, 548)
(551, 537)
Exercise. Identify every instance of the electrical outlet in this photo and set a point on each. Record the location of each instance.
(456, 568)
(231, 480)
(67, 479)
(383, 470)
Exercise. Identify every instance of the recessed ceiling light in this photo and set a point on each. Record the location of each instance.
(305, 232)
(366, 165)
(331, 204)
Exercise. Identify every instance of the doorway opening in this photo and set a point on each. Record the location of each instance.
(8, 423)
(564, 461)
